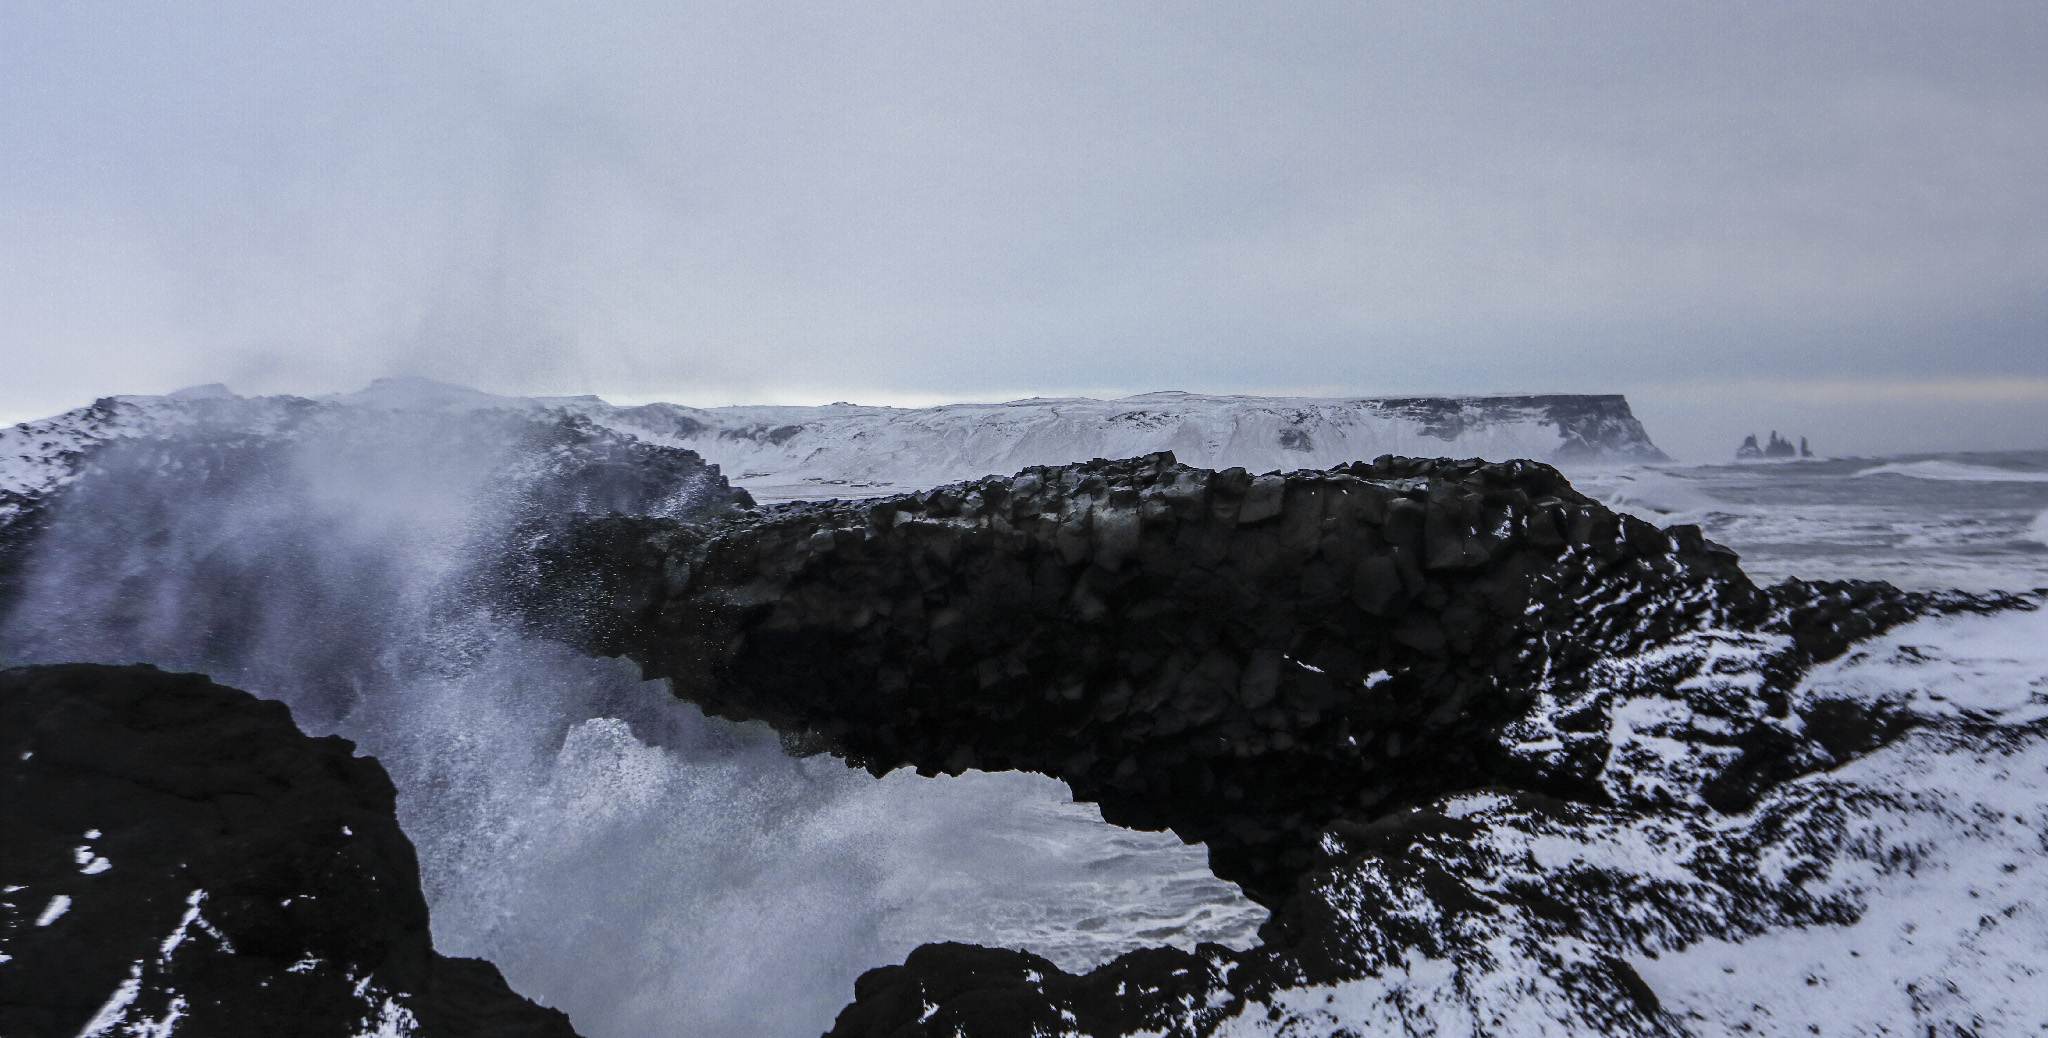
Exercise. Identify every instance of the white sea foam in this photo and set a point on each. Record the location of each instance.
(1954, 472)
(617, 854)
(2037, 531)
(1663, 496)
(1833, 521)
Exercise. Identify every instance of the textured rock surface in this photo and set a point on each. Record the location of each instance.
(1898, 893)
(179, 858)
(1501, 761)
(1246, 660)
(1369, 690)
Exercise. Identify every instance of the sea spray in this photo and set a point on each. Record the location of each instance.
(2037, 532)
(620, 856)
(1955, 471)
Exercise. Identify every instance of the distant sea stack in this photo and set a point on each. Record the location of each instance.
(1776, 449)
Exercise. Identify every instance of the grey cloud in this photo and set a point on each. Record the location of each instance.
(936, 199)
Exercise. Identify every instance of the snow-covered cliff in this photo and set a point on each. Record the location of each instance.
(849, 450)
(799, 451)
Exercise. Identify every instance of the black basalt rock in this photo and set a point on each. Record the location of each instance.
(179, 857)
(1374, 897)
(1300, 670)
(954, 989)
(1243, 659)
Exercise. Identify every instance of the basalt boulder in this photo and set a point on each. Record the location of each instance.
(179, 857)
(1246, 660)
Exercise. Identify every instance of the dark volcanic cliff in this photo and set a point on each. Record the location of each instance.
(1244, 660)
(180, 858)
(1589, 426)
(1363, 688)
(1471, 735)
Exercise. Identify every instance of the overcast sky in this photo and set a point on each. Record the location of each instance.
(1828, 217)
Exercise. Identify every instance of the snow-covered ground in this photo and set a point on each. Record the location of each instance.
(1904, 893)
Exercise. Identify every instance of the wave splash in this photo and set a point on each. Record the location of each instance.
(619, 855)
(2037, 532)
(1955, 472)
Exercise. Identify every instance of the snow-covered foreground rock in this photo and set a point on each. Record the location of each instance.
(1903, 893)
(1501, 761)
(1504, 746)
(1936, 844)
(180, 859)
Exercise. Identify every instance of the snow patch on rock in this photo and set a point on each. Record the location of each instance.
(1900, 893)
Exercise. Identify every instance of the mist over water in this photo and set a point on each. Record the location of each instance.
(620, 856)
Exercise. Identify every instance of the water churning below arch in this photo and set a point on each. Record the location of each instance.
(619, 855)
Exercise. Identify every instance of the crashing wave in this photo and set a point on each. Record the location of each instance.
(1954, 472)
(328, 555)
(1732, 811)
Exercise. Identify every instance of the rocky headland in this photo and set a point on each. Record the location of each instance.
(804, 451)
(1491, 753)
(1313, 673)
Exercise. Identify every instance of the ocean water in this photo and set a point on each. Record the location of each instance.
(620, 856)
(655, 872)
(1973, 521)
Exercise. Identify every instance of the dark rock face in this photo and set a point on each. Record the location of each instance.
(1244, 660)
(178, 856)
(1592, 426)
(1371, 691)
(1778, 447)
(948, 989)
(1456, 893)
